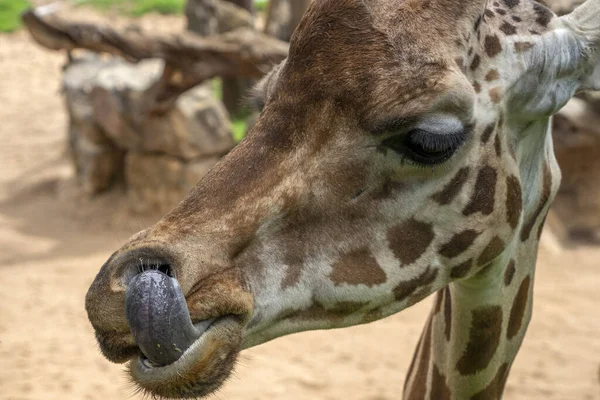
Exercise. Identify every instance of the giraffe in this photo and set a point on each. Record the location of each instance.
(403, 149)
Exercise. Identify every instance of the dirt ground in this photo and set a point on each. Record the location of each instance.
(53, 241)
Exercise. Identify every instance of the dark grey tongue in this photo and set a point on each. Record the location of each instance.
(158, 317)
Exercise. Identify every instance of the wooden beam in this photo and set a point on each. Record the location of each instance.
(189, 59)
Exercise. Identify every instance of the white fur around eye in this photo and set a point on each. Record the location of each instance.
(441, 124)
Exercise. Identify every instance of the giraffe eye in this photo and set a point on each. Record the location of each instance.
(426, 148)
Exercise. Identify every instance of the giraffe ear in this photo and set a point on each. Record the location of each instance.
(583, 25)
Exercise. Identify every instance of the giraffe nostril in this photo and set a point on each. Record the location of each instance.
(137, 266)
(165, 269)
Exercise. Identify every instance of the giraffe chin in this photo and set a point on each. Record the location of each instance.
(202, 368)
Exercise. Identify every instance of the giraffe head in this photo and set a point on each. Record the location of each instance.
(402, 145)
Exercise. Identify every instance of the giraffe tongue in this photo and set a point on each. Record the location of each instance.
(159, 318)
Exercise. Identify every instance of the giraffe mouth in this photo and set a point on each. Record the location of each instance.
(177, 358)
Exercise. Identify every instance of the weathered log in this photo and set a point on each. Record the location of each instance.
(209, 17)
(283, 16)
(235, 89)
(189, 59)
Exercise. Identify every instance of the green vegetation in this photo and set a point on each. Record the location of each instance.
(141, 7)
(136, 7)
(261, 5)
(10, 14)
(10, 10)
(239, 129)
(238, 124)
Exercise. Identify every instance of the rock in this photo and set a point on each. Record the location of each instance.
(97, 166)
(197, 127)
(156, 183)
(106, 91)
(577, 146)
(98, 162)
(583, 114)
(593, 98)
(562, 7)
(160, 156)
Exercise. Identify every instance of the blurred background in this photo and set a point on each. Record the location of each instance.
(97, 144)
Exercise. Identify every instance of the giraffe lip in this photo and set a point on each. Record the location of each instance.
(201, 327)
(202, 367)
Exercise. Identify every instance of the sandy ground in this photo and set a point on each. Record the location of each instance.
(53, 241)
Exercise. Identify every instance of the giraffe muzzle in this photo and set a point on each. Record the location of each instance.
(159, 318)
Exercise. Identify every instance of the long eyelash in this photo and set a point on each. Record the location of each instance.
(437, 142)
(432, 169)
(407, 161)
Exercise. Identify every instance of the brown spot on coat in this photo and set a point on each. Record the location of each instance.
(541, 227)
(477, 87)
(357, 267)
(492, 75)
(544, 15)
(451, 190)
(292, 276)
(461, 270)
(487, 133)
(475, 63)
(496, 94)
(491, 251)
(419, 388)
(459, 243)
(439, 299)
(514, 201)
(482, 199)
(517, 312)
(497, 145)
(509, 273)
(372, 315)
(496, 386)
(489, 13)
(447, 313)
(388, 189)
(511, 3)
(410, 240)
(544, 199)
(516, 18)
(508, 29)
(334, 313)
(492, 46)
(419, 295)
(484, 338)
(406, 288)
(521, 47)
(477, 23)
(439, 387)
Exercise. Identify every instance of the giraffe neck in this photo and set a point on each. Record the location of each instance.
(477, 324)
